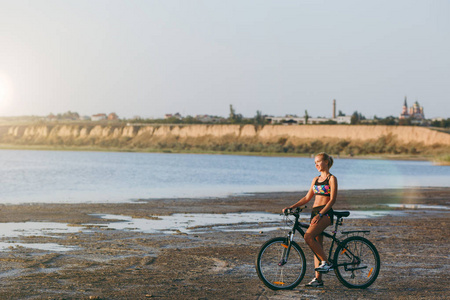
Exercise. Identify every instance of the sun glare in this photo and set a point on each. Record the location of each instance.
(2, 91)
(5, 90)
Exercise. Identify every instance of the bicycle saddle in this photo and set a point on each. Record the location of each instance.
(341, 214)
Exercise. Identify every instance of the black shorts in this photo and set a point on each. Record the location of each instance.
(315, 211)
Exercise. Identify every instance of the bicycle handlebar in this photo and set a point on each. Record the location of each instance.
(296, 211)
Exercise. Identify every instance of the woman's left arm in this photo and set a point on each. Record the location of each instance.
(333, 195)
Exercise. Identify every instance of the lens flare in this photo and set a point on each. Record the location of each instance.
(390, 178)
(5, 90)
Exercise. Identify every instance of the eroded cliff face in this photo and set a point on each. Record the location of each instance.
(146, 136)
(403, 134)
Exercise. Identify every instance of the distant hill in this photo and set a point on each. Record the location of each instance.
(341, 139)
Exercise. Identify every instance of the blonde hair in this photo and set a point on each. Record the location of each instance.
(327, 157)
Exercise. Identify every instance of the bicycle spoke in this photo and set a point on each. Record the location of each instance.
(278, 271)
(357, 262)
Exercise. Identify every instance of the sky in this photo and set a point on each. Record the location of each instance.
(150, 58)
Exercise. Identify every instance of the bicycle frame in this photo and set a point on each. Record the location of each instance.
(298, 226)
(355, 260)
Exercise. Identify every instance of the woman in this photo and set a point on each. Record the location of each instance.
(324, 187)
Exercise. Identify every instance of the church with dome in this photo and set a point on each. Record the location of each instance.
(414, 113)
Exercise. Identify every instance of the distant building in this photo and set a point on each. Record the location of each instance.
(405, 113)
(343, 119)
(415, 112)
(177, 116)
(334, 108)
(438, 119)
(52, 118)
(302, 120)
(293, 119)
(113, 116)
(99, 117)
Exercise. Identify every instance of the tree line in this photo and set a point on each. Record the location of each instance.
(357, 118)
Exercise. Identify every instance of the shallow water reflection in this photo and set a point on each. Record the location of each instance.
(187, 223)
(49, 229)
(419, 206)
(197, 223)
(174, 224)
(27, 229)
(52, 247)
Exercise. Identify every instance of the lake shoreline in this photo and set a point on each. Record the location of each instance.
(405, 157)
(215, 264)
(366, 199)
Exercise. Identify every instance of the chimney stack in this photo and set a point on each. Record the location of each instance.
(334, 108)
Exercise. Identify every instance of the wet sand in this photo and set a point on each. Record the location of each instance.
(214, 264)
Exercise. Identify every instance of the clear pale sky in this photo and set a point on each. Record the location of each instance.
(149, 58)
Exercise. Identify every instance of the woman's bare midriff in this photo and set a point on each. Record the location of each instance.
(321, 200)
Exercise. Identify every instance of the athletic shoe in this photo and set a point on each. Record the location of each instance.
(315, 283)
(324, 267)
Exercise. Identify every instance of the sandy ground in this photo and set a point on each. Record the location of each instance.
(211, 263)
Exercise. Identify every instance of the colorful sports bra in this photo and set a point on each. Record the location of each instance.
(322, 188)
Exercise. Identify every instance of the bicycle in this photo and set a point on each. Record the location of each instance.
(281, 263)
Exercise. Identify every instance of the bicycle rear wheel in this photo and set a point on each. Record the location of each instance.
(357, 262)
(275, 273)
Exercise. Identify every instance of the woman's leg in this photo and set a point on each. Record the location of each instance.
(313, 231)
(317, 261)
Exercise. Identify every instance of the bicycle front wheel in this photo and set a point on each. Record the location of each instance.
(276, 269)
(357, 262)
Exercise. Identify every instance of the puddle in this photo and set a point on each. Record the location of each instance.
(35, 229)
(190, 223)
(177, 223)
(40, 246)
(26, 229)
(419, 206)
(256, 230)
(362, 214)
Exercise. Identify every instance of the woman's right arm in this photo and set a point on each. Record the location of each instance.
(305, 199)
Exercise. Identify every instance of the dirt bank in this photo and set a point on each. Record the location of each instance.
(210, 263)
(149, 135)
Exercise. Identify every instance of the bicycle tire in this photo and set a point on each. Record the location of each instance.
(351, 272)
(277, 277)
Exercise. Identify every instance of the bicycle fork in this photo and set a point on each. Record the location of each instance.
(287, 249)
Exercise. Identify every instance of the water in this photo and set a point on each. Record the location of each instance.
(173, 224)
(199, 223)
(70, 177)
